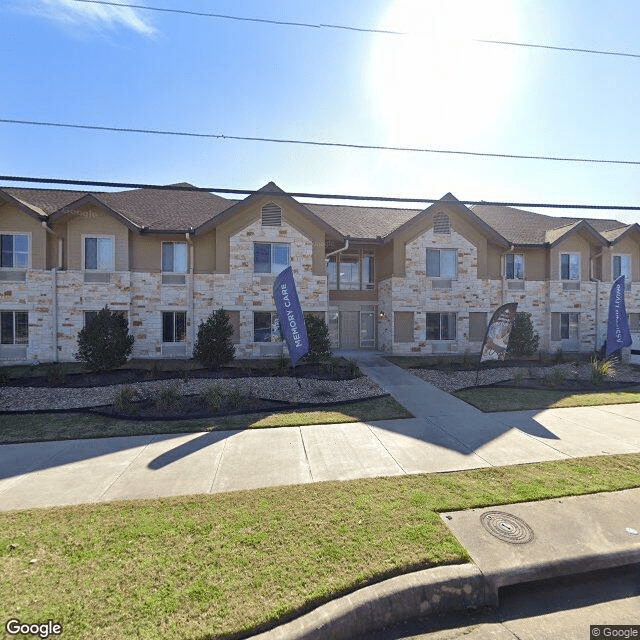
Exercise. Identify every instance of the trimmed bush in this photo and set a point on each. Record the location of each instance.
(319, 343)
(523, 340)
(105, 343)
(214, 345)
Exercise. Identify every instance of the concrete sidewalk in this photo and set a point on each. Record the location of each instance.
(446, 435)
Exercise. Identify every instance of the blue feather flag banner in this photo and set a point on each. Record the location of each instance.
(618, 333)
(290, 315)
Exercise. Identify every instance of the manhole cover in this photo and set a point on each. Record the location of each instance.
(507, 527)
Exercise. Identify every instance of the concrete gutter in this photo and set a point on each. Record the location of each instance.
(408, 597)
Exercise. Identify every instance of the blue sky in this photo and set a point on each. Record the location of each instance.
(66, 61)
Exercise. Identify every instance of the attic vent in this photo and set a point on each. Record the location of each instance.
(441, 223)
(271, 215)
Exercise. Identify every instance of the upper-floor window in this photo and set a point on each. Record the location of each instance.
(622, 267)
(270, 257)
(14, 327)
(99, 253)
(442, 263)
(15, 250)
(570, 266)
(514, 266)
(351, 272)
(174, 257)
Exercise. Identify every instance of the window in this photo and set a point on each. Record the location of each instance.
(266, 327)
(351, 272)
(570, 266)
(622, 267)
(514, 266)
(271, 215)
(174, 326)
(477, 325)
(270, 257)
(442, 263)
(15, 251)
(564, 326)
(403, 326)
(14, 327)
(174, 257)
(441, 326)
(98, 254)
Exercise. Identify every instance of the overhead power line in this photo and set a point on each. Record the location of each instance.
(320, 196)
(311, 25)
(316, 143)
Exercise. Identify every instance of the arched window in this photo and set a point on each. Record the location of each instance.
(271, 215)
(441, 223)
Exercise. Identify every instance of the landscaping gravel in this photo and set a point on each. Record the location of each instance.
(289, 389)
(455, 380)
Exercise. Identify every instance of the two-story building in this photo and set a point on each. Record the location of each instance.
(399, 280)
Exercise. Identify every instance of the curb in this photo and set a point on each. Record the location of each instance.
(399, 599)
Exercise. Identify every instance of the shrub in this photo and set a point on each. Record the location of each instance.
(236, 397)
(168, 397)
(353, 369)
(105, 343)
(556, 377)
(318, 335)
(212, 397)
(214, 345)
(518, 379)
(601, 370)
(56, 373)
(523, 340)
(124, 399)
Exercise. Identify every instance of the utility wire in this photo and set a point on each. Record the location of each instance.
(179, 187)
(348, 28)
(316, 143)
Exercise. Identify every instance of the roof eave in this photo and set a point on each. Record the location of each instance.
(34, 212)
(92, 199)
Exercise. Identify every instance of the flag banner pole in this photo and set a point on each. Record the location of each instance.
(496, 337)
(618, 333)
(290, 315)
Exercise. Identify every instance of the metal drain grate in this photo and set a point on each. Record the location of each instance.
(507, 527)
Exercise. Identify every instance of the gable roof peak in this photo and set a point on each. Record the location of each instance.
(270, 187)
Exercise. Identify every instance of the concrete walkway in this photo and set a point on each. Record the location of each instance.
(446, 435)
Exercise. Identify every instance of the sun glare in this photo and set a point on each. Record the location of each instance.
(437, 85)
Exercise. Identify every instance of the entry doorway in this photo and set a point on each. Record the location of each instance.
(357, 329)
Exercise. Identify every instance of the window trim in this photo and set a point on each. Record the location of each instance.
(514, 277)
(29, 239)
(271, 245)
(174, 242)
(362, 255)
(440, 314)
(113, 252)
(571, 253)
(440, 276)
(174, 341)
(622, 255)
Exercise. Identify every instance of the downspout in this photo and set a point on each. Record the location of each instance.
(54, 294)
(190, 302)
(503, 272)
(333, 253)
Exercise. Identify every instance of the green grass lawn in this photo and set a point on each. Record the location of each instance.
(513, 399)
(210, 566)
(63, 426)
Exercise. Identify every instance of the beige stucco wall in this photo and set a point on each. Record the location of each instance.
(575, 243)
(627, 245)
(12, 220)
(93, 221)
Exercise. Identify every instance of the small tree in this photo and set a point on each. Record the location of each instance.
(105, 342)
(318, 335)
(214, 345)
(523, 340)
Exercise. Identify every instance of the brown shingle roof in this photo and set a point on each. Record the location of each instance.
(362, 222)
(526, 227)
(47, 200)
